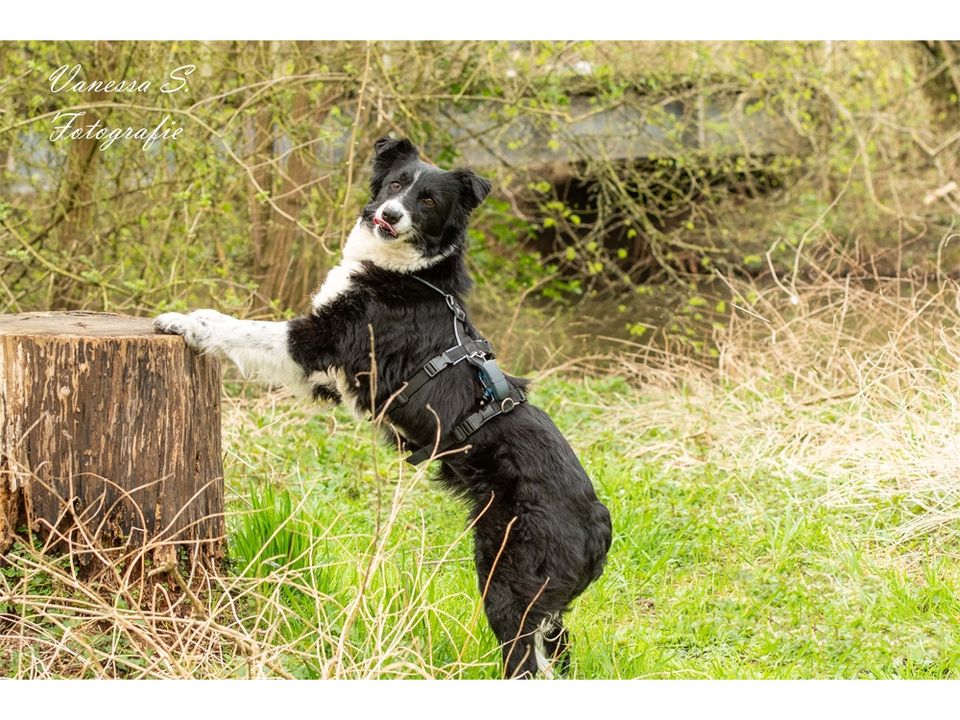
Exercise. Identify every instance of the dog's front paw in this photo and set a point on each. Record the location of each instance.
(196, 327)
(171, 323)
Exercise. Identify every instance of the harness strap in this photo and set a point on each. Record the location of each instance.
(498, 399)
(469, 425)
(470, 348)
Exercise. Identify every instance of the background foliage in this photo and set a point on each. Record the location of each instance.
(617, 165)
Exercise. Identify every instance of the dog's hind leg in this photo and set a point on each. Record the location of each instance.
(258, 348)
(532, 639)
(518, 643)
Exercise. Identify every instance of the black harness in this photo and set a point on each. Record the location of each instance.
(498, 398)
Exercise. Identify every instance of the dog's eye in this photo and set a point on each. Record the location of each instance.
(429, 201)
(394, 186)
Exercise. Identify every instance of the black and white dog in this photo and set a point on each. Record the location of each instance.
(541, 534)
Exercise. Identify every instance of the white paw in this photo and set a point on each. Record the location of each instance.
(196, 327)
(171, 323)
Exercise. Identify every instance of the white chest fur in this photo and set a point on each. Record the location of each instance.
(363, 245)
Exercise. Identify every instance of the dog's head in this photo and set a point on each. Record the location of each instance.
(418, 213)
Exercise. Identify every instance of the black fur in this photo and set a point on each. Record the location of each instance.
(532, 502)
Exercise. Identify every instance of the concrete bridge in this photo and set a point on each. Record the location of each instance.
(622, 132)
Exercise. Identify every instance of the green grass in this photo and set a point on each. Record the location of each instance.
(713, 573)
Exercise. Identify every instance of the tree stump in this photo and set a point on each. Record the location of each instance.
(109, 438)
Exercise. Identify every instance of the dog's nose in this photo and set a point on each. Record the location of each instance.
(391, 215)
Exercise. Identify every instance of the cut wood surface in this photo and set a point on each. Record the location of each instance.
(109, 436)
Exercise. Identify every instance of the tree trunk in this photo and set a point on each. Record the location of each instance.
(75, 235)
(109, 438)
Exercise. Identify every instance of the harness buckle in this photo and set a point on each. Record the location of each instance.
(435, 365)
(466, 428)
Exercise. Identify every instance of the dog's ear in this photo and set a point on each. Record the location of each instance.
(387, 153)
(473, 188)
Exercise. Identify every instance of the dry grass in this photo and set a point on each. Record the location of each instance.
(57, 620)
(855, 386)
(214, 625)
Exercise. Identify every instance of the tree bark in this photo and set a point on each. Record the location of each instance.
(109, 438)
(74, 236)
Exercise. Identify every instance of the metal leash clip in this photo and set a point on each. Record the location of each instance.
(455, 308)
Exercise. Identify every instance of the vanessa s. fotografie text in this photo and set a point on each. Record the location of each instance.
(75, 124)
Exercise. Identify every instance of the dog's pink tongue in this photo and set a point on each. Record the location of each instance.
(385, 225)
